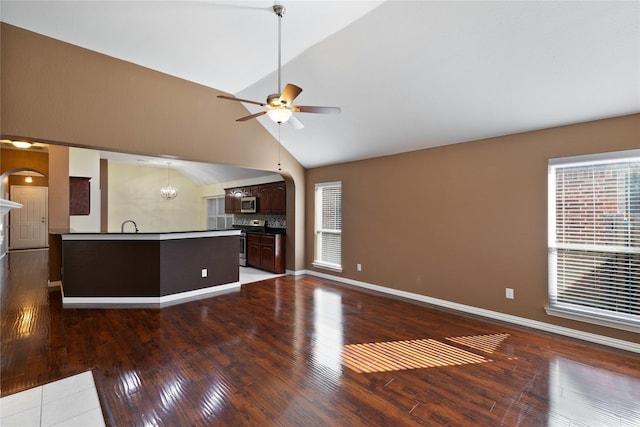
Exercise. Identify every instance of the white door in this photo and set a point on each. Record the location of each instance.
(28, 225)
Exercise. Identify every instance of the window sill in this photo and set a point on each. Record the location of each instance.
(332, 267)
(583, 317)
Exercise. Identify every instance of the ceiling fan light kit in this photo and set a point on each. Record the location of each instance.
(279, 106)
(279, 115)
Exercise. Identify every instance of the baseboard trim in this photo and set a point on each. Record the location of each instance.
(148, 302)
(520, 321)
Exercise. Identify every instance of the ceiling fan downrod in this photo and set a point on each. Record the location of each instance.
(279, 10)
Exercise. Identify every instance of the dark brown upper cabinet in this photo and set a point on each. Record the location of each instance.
(79, 195)
(272, 198)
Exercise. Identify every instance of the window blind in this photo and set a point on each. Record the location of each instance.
(594, 238)
(328, 225)
(216, 218)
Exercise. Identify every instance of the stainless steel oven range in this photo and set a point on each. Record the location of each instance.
(255, 225)
(243, 248)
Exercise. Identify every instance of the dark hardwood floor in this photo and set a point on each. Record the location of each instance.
(305, 351)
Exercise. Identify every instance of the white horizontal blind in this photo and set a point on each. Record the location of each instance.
(328, 225)
(216, 218)
(594, 239)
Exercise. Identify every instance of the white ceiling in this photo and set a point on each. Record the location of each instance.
(407, 74)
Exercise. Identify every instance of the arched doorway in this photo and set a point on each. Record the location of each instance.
(24, 178)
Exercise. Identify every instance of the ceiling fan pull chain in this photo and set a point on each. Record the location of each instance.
(279, 147)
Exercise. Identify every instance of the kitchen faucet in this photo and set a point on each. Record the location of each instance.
(132, 222)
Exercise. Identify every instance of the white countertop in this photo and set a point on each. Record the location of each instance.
(178, 235)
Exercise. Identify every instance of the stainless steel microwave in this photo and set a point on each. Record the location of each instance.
(248, 204)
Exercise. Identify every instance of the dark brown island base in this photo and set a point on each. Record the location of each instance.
(147, 269)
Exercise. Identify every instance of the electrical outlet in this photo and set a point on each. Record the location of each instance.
(359, 267)
(204, 272)
(508, 293)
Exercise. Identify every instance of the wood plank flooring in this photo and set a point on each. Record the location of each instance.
(290, 352)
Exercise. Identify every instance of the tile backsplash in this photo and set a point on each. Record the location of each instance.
(272, 221)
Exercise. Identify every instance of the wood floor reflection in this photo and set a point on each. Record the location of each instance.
(272, 354)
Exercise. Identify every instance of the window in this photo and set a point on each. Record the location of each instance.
(594, 239)
(328, 226)
(216, 218)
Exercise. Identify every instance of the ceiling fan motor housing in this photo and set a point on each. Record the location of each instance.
(274, 100)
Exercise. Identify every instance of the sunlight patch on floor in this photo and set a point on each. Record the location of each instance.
(401, 355)
(486, 343)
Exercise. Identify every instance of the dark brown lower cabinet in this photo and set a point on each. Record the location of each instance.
(266, 252)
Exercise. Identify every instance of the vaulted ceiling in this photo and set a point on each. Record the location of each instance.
(407, 74)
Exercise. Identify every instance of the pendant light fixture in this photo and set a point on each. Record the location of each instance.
(168, 192)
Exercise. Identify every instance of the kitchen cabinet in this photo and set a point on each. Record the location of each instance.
(272, 198)
(79, 195)
(232, 198)
(253, 250)
(266, 252)
(229, 201)
(264, 199)
(278, 193)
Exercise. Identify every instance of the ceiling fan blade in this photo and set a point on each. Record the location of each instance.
(321, 110)
(290, 93)
(253, 116)
(295, 123)
(231, 98)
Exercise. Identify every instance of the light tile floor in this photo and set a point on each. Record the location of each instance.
(250, 274)
(69, 402)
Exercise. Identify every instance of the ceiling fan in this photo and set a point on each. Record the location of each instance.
(279, 106)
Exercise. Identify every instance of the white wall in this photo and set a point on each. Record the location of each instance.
(134, 193)
(86, 163)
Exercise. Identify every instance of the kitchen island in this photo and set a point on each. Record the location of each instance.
(147, 269)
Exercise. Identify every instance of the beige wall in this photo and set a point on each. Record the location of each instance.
(58, 188)
(463, 222)
(59, 93)
(134, 193)
(86, 163)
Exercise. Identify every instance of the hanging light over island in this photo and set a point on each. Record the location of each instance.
(168, 192)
